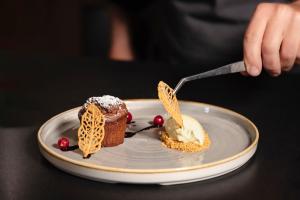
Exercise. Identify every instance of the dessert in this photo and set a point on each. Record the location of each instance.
(63, 143)
(192, 131)
(158, 120)
(129, 118)
(182, 132)
(91, 130)
(115, 115)
(103, 122)
(169, 101)
(191, 137)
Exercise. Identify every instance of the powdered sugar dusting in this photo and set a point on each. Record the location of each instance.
(106, 101)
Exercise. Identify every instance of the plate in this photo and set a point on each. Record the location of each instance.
(142, 159)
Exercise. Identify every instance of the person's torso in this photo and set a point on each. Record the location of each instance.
(207, 32)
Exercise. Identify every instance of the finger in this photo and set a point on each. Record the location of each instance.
(290, 45)
(253, 38)
(272, 40)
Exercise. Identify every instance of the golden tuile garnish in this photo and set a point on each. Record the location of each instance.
(182, 146)
(169, 101)
(91, 130)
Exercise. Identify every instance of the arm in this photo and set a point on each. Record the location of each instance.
(120, 48)
(272, 39)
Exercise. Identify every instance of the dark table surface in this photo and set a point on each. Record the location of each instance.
(33, 89)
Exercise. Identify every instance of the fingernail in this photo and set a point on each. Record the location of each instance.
(254, 71)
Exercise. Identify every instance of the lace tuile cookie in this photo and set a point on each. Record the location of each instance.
(169, 101)
(91, 130)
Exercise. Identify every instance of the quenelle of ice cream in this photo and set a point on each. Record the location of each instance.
(192, 131)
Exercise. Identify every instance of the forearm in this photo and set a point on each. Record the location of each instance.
(121, 48)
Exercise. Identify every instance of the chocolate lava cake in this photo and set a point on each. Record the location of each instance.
(115, 113)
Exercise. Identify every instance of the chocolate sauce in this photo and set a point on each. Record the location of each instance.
(130, 134)
(88, 156)
(71, 148)
(74, 147)
(127, 135)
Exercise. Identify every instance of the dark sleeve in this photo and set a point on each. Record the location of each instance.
(131, 6)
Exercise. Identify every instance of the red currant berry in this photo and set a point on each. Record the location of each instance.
(129, 117)
(63, 143)
(158, 120)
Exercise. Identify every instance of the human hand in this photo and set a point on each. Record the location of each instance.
(272, 39)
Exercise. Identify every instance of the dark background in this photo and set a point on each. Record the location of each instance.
(33, 89)
(54, 27)
(53, 56)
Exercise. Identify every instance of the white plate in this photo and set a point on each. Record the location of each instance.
(142, 159)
